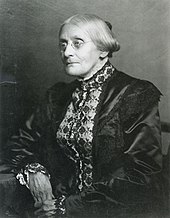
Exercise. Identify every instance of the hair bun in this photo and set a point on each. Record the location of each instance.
(109, 24)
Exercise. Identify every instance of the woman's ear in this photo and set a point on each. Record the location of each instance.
(104, 54)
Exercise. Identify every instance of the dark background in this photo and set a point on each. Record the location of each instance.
(29, 55)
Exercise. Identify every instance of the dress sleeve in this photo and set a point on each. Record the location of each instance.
(139, 165)
(24, 147)
(142, 133)
(133, 171)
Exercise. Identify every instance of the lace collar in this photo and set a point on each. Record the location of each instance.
(98, 79)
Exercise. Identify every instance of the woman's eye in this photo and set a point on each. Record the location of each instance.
(77, 44)
(63, 45)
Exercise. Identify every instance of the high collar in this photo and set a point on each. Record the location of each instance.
(95, 69)
(98, 79)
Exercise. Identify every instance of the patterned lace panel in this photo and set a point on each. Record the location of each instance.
(75, 132)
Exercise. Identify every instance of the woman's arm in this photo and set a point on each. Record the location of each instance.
(23, 156)
(22, 148)
(138, 166)
(132, 143)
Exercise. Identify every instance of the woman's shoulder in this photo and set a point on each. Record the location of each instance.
(135, 95)
(60, 92)
(59, 86)
(135, 86)
(144, 89)
(140, 95)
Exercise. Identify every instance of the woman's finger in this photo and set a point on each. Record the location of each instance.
(44, 213)
(50, 214)
(37, 204)
(61, 188)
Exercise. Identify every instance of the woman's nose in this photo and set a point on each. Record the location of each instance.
(69, 50)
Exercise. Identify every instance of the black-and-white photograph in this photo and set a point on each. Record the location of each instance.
(84, 108)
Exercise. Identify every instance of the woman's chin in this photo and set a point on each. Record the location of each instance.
(73, 72)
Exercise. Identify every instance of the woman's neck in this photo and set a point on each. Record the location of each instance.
(97, 67)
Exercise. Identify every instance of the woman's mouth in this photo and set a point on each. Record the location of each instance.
(71, 63)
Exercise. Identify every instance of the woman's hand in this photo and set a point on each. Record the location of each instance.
(60, 189)
(41, 190)
(48, 209)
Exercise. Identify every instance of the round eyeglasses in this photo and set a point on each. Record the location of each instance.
(76, 44)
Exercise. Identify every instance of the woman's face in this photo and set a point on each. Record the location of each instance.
(79, 54)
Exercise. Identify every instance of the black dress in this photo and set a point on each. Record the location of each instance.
(125, 150)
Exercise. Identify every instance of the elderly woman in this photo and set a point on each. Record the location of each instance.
(92, 149)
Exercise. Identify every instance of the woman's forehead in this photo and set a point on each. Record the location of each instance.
(71, 31)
